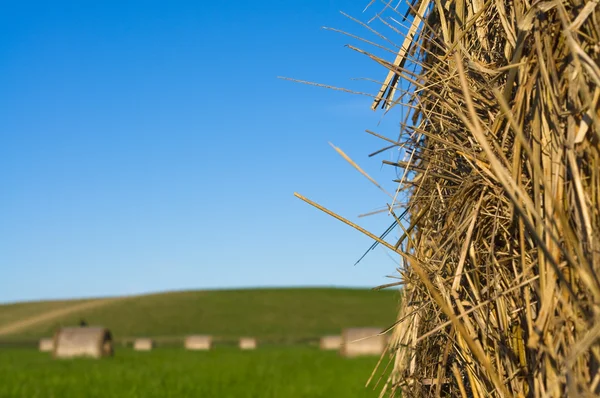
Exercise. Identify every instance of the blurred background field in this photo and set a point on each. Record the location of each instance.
(288, 372)
(287, 324)
(271, 314)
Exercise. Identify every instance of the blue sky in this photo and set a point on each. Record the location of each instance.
(149, 146)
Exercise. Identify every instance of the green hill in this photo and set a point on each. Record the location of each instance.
(292, 314)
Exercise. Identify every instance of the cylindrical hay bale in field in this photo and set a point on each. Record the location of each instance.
(362, 341)
(247, 343)
(198, 343)
(95, 342)
(143, 344)
(330, 342)
(46, 345)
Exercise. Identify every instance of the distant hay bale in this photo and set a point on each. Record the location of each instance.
(247, 343)
(388, 339)
(362, 341)
(198, 343)
(330, 342)
(46, 345)
(95, 342)
(143, 344)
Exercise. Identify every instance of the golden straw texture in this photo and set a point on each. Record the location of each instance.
(499, 155)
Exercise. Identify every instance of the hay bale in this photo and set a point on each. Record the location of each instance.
(143, 344)
(499, 153)
(330, 342)
(362, 341)
(46, 345)
(95, 342)
(247, 343)
(198, 343)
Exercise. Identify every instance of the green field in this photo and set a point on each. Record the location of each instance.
(273, 370)
(14, 312)
(224, 372)
(263, 313)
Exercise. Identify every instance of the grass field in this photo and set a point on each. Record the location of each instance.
(224, 372)
(14, 312)
(270, 371)
(264, 313)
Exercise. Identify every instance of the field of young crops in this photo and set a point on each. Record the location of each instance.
(288, 372)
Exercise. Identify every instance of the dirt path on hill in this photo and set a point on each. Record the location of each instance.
(26, 323)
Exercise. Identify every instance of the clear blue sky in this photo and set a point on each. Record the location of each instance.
(149, 146)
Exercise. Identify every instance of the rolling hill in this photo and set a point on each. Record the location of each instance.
(294, 313)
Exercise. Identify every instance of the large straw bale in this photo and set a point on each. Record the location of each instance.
(247, 343)
(498, 166)
(46, 345)
(95, 342)
(198, 343)
(330, 342)
(362, 341)
(143, 344)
